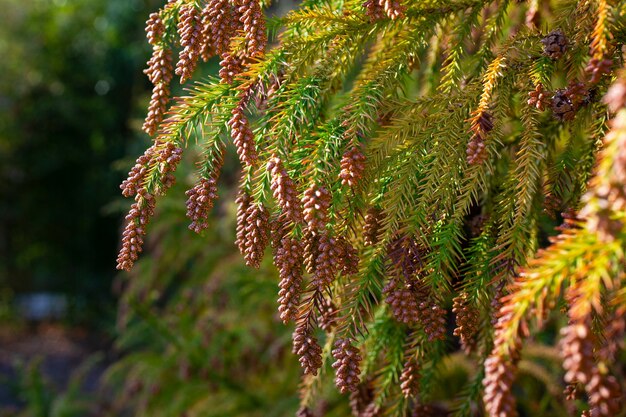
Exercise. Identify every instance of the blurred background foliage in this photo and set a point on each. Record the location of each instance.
(71, 93)
(195, 333)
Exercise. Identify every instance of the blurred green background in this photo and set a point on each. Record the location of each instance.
(71, 97)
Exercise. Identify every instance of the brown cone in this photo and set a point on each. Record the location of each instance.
(539, 98)
(288, 260)
(373, 226)
(346, 365)
(326, 261)
(393, 8)
(554, 44)
(476, 150)
(243, 204)
(467, 322)
(402, 300)
(159, 72)
(409, 378)
(199, 202)
(562, 106)
(132, 238)
(256, 234)
(137, 174)
(253, 21)
(189, 30)
(500, 370)
(352, 166)
(242, 135)
(154, 29)
(306, 347)
(284, 190)
(316, 202)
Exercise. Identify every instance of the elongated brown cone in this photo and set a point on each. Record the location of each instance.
(222, 24)
(256, 234)
(253, 20)
(160, 73)
(499, 375)
(167, 160)
(284, 190)
(311, 250)
(476, 150)
(371, 410)
(571, 392)
(189, 30)
(137, 173)
(199, 202)
(577, 351)
(605, 395)
(230, 66)
(352, 166)
(347, 361)
(348, 256)
(326, 262)
(242, 135)
(154, 29)
(316, 202)
(206, 50)
(409, 378)
(467, 322)
(481, 125)
(201, 197)
(243, 204)
(500, 369)
(580, 367)
(402, 300)
(288, 260)
(306, 347)
(132, 238)
(433, 319)
(166, 157)
(372, 227)
(615, 333)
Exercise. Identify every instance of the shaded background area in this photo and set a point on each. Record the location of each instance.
(71, 96)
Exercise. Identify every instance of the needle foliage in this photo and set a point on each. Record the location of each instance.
(441, 182)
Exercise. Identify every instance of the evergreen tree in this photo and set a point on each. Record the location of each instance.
(408, 160)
